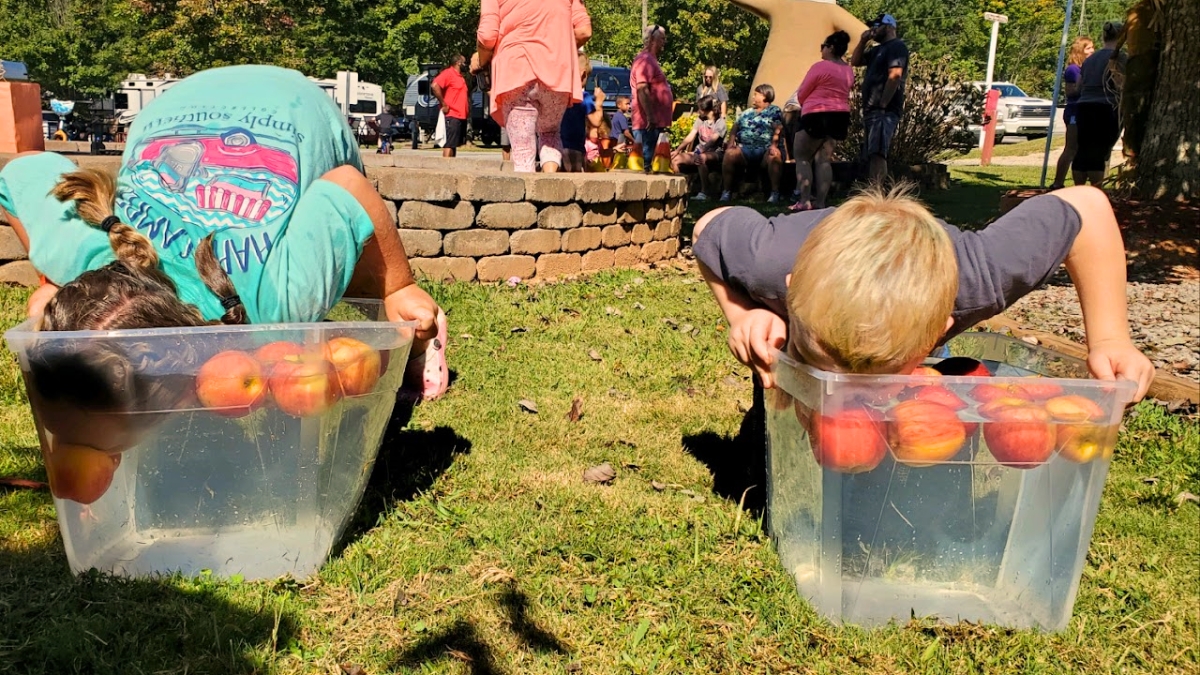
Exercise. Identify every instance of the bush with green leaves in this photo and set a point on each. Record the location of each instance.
(938, 107)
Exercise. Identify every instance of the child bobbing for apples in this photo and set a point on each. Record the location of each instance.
(241, 198)
(874, 285)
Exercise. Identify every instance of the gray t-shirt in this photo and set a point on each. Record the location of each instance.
(996, 266)
(881, 59)
(1096, 84)
(719, 93)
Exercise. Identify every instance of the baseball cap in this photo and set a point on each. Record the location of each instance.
(883, 20)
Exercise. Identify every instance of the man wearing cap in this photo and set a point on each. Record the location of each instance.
(882, 89)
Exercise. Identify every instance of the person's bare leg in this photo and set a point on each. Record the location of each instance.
(823, 174)
(729, 167)
(1070, 144)
(877, 171)
(1096, 177)
(805, 148)
(702, 170)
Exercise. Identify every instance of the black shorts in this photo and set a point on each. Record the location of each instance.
(1097, 128)
(835, 125)
(456, 132)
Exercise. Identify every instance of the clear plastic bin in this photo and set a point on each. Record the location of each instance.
(885, 507)
(170, 450)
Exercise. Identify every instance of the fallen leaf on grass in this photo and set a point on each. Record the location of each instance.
(670, 322)
(594, 355)
(638, 305)
(519, 329)
(1030, 339)
(602, 474)
(658, 486)
(574, 667)
(352, 669)
(576, 410)
(571, 311)
(1150, 480)
(634, 466)
(612, 311)
(467, 336)
(459, 655)
(495, 575)
(638, 281)
(687, 492)
(528, 406)
(619, 294)
(686, 328)
(23, 484)
(1186, 497)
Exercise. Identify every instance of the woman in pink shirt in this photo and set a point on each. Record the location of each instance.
(532, 47)
(824, 99)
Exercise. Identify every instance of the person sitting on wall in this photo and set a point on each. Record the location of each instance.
(754, 143)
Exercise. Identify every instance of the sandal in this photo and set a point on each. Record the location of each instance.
(800, 206)
(426, 377)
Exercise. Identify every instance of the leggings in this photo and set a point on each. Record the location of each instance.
(532, 115)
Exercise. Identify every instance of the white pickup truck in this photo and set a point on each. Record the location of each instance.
(1019, 114)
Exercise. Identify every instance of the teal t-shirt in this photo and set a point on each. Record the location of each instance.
(235, 152)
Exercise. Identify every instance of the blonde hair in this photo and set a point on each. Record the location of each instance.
(872, 285)
(1077, 55)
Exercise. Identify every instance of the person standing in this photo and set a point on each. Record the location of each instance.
(653, 101)
(450, 89)
(1097, 114)
(1082, 48)
(532, 46)
(882, 90)
(711, 86)
(824, 98)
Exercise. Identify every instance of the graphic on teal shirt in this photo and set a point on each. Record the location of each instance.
(216, 182)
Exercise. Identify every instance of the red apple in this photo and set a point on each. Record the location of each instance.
(357, 365)
(1020, 434)
(989, 392)
(1038, 389)
(1074, 408)
(923, 433)
(942, 395)
(926, 371)
(273, 352)
(962, 366)
(850, 441)
(304, 385)
(79, 472)
(231, 384)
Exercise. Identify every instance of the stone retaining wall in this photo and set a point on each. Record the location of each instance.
(475, 220)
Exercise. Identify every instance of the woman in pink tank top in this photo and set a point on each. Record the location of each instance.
(532, 48)
(824, 99)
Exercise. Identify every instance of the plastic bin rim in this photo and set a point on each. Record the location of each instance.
(1124, 388)
(25, 330)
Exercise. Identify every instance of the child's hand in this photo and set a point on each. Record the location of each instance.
(1121, 360)
(413, 304)
(40, 298)
(754, 338)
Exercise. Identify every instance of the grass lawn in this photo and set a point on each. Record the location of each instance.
(1036, 146)
(479, 549)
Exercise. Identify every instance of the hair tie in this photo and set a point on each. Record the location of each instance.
(109, 223)
(231, 302)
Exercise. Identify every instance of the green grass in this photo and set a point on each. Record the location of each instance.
(1034, 147)
(478, 548)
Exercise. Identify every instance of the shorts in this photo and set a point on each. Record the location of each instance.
(754, 155)
(1098, 127)
(821, 125)
(879, 127)
(1070, 113)
(456, 132)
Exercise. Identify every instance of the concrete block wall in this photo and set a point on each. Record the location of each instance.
(468, 221)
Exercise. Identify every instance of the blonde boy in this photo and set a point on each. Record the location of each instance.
(878, 282)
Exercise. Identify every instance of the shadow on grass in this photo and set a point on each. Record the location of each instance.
(462, 641)
(738, 464)
(408, 463)
(55, 622)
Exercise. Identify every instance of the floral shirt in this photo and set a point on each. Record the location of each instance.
(756, 128)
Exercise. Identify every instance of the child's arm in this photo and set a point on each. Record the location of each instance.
(382, 270)
(1096, 264)
(755, 332)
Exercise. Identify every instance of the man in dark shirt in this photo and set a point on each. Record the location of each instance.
(385, 121)
(882, 89)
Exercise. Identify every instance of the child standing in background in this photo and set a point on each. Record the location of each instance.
(578, 118)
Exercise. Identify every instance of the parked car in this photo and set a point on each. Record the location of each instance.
(612, 80)
(1019, 114)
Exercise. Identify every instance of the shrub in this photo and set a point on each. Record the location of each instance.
(938, 107)
(681, 127)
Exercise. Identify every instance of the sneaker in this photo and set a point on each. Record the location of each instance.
(426, 376)
(725, 196)
(773, 198)
(700, 197)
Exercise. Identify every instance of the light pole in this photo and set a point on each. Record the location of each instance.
(996, 20)
(1062, 52)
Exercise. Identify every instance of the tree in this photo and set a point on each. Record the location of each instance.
(1166, 128)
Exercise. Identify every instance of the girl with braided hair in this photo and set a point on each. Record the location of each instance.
(241, 198)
